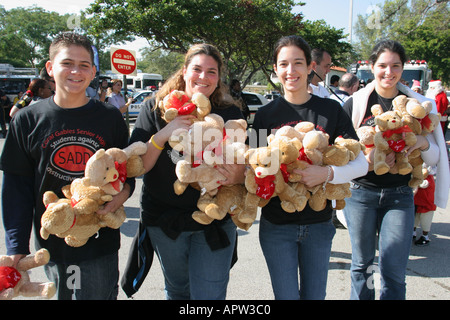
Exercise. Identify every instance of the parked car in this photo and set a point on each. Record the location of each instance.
(272, 96)
(254, 101)
(138, 99)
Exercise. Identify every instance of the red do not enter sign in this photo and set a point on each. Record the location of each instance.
(123, 61)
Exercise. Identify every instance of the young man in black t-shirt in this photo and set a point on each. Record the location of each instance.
(47, 147)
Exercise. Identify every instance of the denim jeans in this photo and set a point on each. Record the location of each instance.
(191, 269)
(291, 250)
(388, 213)
(95, 279)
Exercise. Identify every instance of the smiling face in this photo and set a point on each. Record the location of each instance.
(73, 71)
(387, 70)
(201, 75)
(292, 70)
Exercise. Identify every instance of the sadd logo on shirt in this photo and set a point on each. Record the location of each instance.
(71, 158)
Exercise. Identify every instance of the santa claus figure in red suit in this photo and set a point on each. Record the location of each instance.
(436, 91)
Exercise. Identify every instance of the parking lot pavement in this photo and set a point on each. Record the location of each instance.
(428, 274)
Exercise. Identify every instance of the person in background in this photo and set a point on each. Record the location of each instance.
(236, 93)
(116, 98)
(5, 103)
(437, 93)
(416, 87)
(45, 76)
(334, 82)
(348, 84)
(425, 207)
(40, 90)
(321, 64)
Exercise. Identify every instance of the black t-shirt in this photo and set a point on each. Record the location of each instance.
(160, 205)
(51, 146)
(328, 116)
(371, 179)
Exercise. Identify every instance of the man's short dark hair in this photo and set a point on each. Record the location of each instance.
(66, 39)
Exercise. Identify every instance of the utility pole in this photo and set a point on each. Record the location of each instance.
(350, 22)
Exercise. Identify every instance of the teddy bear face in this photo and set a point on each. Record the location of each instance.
(178, 103)
(202, 135)
(366, 135)
(101, 169)
(389, 120)
(289, 148)
(265, 161)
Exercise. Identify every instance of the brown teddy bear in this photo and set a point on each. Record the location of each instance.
(178, 103)
(16, 281)
(393, 136)
(338, 155)
(419, 119)
(314, 142)
(202, 156)
(196, 146)
(290, 148)
(74, 217)
(264, 180)
(366, 135)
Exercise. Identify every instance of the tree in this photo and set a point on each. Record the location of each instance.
(421, 26)
(243, 30)
(26, 34)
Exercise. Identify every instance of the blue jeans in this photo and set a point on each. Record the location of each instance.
(191, 269)
(388, 213)
(95, 279)
(291, 250)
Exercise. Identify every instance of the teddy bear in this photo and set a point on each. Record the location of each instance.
(366, 135)
(178, 103)
(16, 281)
(264, 180)
(393, 136)
(314, 142)
(201, 146)
(334, 155)
(74, 217)
(287, 141)
(201, 156)
(419, 119)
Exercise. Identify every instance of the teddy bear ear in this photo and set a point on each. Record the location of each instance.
(428, 106)
(376, 109)
(100, 153)
(248, 154)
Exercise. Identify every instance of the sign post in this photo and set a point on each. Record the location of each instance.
(124, 62)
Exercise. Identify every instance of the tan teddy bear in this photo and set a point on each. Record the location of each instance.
(216, 200)
(314, 142)
(178, 103)
(16, 281)
(366, 135)
(393, 136)
(290, 152)
(419, 119)
(338, 155)
(264, 180)
(74, 217)
(200, 147)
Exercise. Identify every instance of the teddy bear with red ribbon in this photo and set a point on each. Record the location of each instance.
(178, 103)
(392, 136)
(15, 281)
(75, 217)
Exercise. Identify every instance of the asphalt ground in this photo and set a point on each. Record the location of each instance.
(428, 270)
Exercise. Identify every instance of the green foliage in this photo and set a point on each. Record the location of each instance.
(421, 26)
(26, 33)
